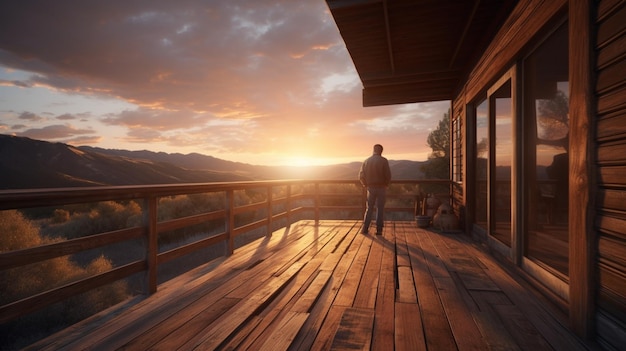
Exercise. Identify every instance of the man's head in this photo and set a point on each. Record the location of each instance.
(378, 149)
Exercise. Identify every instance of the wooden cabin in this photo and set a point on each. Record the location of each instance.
(538, 131)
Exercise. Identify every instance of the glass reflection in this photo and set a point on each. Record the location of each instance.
(546, 110)
(482, 154)
(503, 158)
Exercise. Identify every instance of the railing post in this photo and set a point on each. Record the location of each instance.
(289, 204)
(363, 198)
(152, 246)
(230, 220)
(317, 203)
(269, 210)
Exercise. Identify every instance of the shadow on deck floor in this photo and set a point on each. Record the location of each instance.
(327, 287)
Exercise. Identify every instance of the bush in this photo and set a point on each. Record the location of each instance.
(102, 217)
(21, 282)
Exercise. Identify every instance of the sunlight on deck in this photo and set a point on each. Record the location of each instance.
(324, 287)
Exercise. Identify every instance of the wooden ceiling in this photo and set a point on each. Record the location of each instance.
(416, 51)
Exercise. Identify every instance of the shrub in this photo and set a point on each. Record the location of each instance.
(102, 217)
(21, 282)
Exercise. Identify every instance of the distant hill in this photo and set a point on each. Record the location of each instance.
(400, 169)
(189, 161)
(26, 163)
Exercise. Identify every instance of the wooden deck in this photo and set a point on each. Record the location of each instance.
(328, 287)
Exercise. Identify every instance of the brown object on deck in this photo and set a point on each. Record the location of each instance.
(329, 287)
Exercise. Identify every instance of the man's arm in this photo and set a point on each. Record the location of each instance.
(362, 175)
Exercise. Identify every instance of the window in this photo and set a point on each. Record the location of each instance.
(503, 148)
(546, 156)
(457, 150)
(481, 163)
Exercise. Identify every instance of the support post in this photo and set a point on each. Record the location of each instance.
(269, 210)
(230, 221)
(581, 231)
(288, 204)
(317, 203)
(152, 247)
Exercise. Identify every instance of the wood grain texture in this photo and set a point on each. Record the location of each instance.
(304, 293)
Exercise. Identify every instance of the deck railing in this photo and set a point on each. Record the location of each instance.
(243, 207)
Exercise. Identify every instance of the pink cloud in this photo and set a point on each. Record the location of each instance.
(258, 66)
(56, 131)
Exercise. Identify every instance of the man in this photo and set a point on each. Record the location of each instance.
(375, 175)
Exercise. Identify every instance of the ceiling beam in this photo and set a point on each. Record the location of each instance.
(343, 4)
(386, 80)
(404, 94)
(389, 46)
(469, 21)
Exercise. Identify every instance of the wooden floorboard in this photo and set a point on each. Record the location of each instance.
(426, 265)
(329, 287)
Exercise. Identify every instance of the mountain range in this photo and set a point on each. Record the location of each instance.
(27, 164)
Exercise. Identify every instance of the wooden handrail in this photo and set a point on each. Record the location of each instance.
(294, 203)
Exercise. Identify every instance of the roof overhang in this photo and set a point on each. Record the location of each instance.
(416, 51)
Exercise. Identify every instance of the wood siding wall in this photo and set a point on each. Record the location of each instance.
(597, 304)
(521, 27)
(610, 137)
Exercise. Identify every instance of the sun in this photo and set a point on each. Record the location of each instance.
(302, 162)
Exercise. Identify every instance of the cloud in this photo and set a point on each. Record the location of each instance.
(143, 135)
(17, 83)
(29, 116)
(189, 54)
(226, 76)
(56, 131)
(158, 119)
(65, 117)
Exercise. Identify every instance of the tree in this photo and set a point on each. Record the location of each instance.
(438, 165)
(553, 120)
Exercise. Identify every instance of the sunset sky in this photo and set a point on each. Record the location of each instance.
(264, 82)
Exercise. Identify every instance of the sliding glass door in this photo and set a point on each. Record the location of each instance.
(519, 131)
(501, 165)
(481, 165)
(546, 129)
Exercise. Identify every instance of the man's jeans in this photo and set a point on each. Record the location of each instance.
(375, 199)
